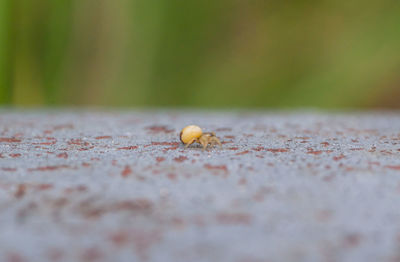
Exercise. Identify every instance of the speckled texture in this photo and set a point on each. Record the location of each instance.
(119, 186)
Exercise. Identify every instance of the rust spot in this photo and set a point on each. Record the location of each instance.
(9, 169)
(9, 140)
(242, 181)
(242, 153)
(170, 148)
(120, 238)
(21, 190)
(140, 204)
(229, 137)
(15, 155)
(160, 159)
(164, 143)
(318, 152)
(92, 254)
(78, 142)
(127, 171)
(45, 143)
(63, 155)
(64, 126)
(302, 137)
(233, 148)
(103, 137)
(223, 129)
(259, 148)
(44, 186)
(277, 150)
(220, 167)
(393, 167)
(337, 158)
(352, 240)
(14, 257)
(180, 159)
(128, 148)
(171, 176)
(160, 129)
(48, 168)
(234, 218)
(325, 144)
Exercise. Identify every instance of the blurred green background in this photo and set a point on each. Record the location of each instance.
(227, 53)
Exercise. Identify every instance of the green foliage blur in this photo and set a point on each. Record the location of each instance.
(217, 54)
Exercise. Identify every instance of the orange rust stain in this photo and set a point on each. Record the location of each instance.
(259, 148)
(15, 155)
(220, 167)
(171, 176)
(48, 168)
(45, 143)
(337, 158)
(393, 167)
(44, 186)
(128, 148)
(9, 140)
(21, 190)
(170, 148)
(180, 159)
(120, 238)
(277, 150)
(229, 137)
(325, 144)
(77, 142)
(103, 137)
(63, 155)
(318, 152)
(160, 159)
(242, 153)
(127, 171)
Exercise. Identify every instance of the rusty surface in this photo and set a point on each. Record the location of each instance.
(119, 186)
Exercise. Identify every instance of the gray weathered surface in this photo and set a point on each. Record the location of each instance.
(118, 186)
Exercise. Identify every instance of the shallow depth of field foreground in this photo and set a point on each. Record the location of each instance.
(119, 186)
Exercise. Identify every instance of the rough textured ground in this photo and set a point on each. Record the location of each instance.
(118, 186)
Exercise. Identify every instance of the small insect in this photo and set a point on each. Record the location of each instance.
(192, 133)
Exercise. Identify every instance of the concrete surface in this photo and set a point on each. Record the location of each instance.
(118, 186)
